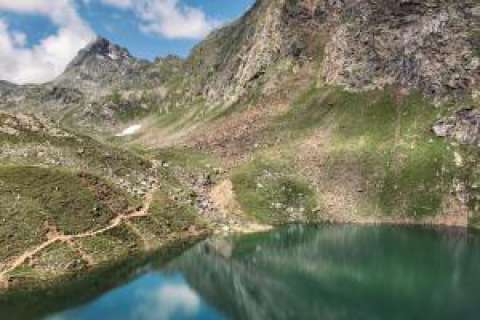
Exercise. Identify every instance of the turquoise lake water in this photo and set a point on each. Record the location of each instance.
(298, 272)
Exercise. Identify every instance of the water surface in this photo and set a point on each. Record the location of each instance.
(298, 272)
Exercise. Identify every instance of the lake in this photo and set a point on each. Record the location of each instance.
(296, 272)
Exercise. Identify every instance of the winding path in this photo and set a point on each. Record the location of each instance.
(18, 261)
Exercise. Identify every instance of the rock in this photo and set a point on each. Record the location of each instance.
(415, 44)
(461, 192)
(442, 129)
(463, 127)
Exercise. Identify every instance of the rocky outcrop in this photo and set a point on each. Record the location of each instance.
(463, 127)
(428, 45)
(18, 124)
(232, 60)
(415, 44)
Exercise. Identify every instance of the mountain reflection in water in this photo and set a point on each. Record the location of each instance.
(297, 272)
(340, 272)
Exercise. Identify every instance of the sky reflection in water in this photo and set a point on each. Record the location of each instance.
(154, 296)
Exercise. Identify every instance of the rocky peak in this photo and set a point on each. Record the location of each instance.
(99, 67)
(100, 49)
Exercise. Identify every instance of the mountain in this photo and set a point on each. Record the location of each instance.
(361, 45)
(5, 85)
(99, 89)
(99, 57)
(100, 67)
(426, 45)
(358, 111)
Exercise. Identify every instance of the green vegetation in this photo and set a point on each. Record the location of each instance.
(112, 245)
(134, 108)
(17, 218)
(38, 199)
(78, 152)
(172, 214)
(35, 200)
(58, 258)
(420, 181)
(471, 178)
(188, 159)
(168, 217)
(385, 139)
(272, 193)
(475, 38)
(116, 97)
(410, 169)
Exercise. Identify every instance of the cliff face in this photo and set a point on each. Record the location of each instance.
(232, 60)
(426, 45)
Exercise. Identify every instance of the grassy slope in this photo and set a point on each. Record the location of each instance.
(272, 193)
(70, 184)
(384, 142)
(36, 199)
(44, 198)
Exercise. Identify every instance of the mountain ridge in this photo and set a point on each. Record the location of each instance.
(434, 53)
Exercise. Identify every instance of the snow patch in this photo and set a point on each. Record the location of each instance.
(129, 131)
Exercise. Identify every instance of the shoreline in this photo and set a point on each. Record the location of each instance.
(180, 244)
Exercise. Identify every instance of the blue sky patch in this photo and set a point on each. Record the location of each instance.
(39, 38)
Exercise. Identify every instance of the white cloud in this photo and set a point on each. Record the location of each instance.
(168, 18)
(168, 302)
(47, 59)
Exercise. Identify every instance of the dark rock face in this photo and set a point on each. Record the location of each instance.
(100, 49)
(463, 126)
(415, 44)
(100, 67)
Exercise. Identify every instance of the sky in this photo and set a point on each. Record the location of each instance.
(38, 38)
